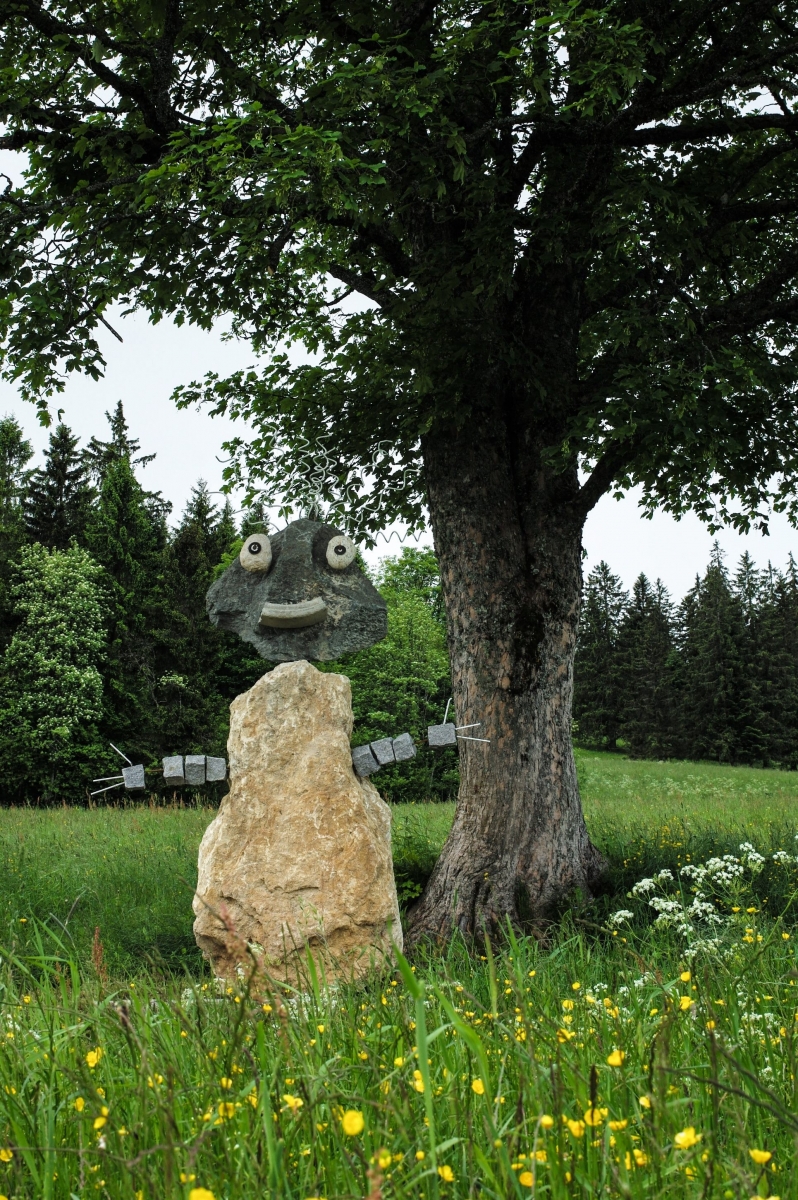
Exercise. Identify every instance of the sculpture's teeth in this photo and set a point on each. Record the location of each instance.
(293, 616)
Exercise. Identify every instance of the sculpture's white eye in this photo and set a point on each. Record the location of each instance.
(341, 551)
(256, 553)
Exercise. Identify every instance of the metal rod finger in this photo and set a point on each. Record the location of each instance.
(121, 755)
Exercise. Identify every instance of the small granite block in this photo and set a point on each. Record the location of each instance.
(134, 778)
(173, 769)
(442, 735)
(383, 751)
(364, 761)
(404, 748)
(215, 770)
(195, 769)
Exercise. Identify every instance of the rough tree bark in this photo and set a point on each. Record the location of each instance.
(507, 532)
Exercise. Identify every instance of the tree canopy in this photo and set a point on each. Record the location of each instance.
(505, 186)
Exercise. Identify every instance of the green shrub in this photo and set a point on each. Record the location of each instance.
(51, 688)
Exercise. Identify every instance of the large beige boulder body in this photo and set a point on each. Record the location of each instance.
(299, 854)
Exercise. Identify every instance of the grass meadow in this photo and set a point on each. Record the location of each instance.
(610, 1054)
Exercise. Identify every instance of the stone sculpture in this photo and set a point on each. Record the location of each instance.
(298, 858)
(299, 594)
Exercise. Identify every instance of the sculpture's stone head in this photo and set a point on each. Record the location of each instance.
(299, 594)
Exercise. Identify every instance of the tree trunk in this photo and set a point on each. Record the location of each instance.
(507, 532)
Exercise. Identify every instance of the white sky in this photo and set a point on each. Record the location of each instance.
(153, 359)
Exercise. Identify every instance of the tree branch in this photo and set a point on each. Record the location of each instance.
(366, 285)
(614, 459)
(691, 131)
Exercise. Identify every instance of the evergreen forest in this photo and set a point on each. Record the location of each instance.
(105, 639)
(714, 677)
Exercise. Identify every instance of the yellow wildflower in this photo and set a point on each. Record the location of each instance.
(594, 1116)
(6, 1155)
(80, 1104)
(525, 1179)
(352, 1122)
(685, 976)
(577, 1128)
(200, 1194)
(565, 1035)
(94, 1056)
(641, 1158)
(616, 1058)
(761, 1157)
(685, 1002)
(546, 1121)
(568, 1005)
(227, 1111)
(645, 1102)
(478, 1086)
(420, 1156)
(399, 1062)
(687, 1138)
(615, 1126)
(418, 1081)
(446, 1173)
(292, 1102)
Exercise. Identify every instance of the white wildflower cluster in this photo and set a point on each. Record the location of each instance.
(702, 948)
(620, 917)
(645, 886)
(717, 870)
(751, 857)
(705, 898)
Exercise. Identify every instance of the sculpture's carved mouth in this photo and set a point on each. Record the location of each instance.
(293, 616)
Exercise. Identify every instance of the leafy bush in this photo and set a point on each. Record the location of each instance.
(51, 688)
(401, 684)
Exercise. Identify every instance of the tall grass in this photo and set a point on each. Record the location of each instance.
(586, 1062)
(556, 1069)
(132, 871)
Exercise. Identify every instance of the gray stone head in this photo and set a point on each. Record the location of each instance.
(299, 594)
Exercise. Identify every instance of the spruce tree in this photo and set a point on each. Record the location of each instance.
(597, 688)
(645, 671)
(255, 519)
(127, 539)
(755, 733)
(59, 496)
(778, 678)
(99, 455)
(711, 633)
(203, 668)
(15, 451)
